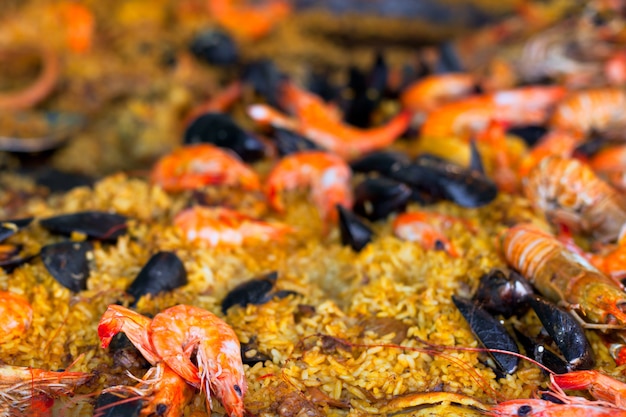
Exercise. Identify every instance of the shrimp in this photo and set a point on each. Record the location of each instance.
(568, 192)
(249, 22)
(527, 105)
(321, 124)
(596, 109)
(565, 277)
(609, 392)
(40, 89)
(17, 315)
(30, 390)
(219, 103)
(611, 164)
(166, 391)
(555, 142)
(222, 226)
(430, 92)
(194, 166)
(418, 227)
(179, 331)
(328, 176)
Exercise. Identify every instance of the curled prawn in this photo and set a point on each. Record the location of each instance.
(555, 142)
(432, 91)
(181, 330)
(568, 192)
(166, 392)
(194, 166)
(17, 315)
(565, 277)
(611, 164)
(425, 228)
(222, 226)
(321, 124)
(249, 22)
(326, 174)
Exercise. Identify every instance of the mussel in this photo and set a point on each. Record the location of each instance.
(353, 231)
(163, 272)
(97, 225)
(377, 197)
(68, 263)
(214, 47)
(254, 291)
(288, 142)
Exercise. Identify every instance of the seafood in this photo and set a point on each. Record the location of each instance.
(354, 232)
(222, 226)
(163, 272)
(521, 106)
(418, 227)
(218, 48)
(321, 124)
(564, 277)
(375, 198)
(68, 263)
(32, 391)
(97, 225)
(259, 18)
(568, 192)
(430, 92)
(326, 174)
(555, 142)
(501, 294)
(254, 291)
(176, 332)
(166, 391)
(17, 315)
(195, 166)
(611, 164)
(597, 109)
(219, 103)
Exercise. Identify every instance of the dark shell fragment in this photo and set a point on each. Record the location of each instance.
(353, 231)
(288, 142)
(442, 178)
(254, 291)
(505, 295)
(95, 224)
(541, 353)
(220, 130)
(490, 332)
(383, 162)
(377, 198)
(250, 354)
(67, 262)
(60, 181)
(9, 227)
(11, 256)
(163, 272)
(476, 161)
(111, 405)
(266, 80)
(567, 333)
(214, 47)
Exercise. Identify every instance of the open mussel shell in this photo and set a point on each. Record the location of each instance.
(502, 294)
(353, 231)
(567, 333)
(12, 256)
(490, 332)
(254, 291)
(163, 272)
(541, 353)
(94, 224)
(220, 130)
(68, 263)
(376, 198)
(214, 47)
(382, 162)
(10, 227)
(36, 131)
(288, 142)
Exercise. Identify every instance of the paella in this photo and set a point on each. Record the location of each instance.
(236, 208)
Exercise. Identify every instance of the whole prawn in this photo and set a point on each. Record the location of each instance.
(565, 277)
(568, 192)
(177, 332)
(421, 227)
(327, 175)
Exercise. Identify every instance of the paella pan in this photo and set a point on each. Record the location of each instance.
(232, 208)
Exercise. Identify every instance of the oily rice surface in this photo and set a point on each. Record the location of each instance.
(357, 339)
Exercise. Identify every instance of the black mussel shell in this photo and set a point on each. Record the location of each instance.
(60, 181)
(10, 227)
(319, 84)
(250, 354)
(67, 263)
(382, 162)
(541, 353)
(567, 333)
(220, 130)
(442, 178)
(529, 133)
(214, 47)
(11, 256)
(476, 161)
(254, 291)
(162, 273)
(95, 224)
(353, 231)
(123, 407)
(377, 198)
(358, 109)
(501, 294)
(288, 142)
(490, 332)
(265, 79)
